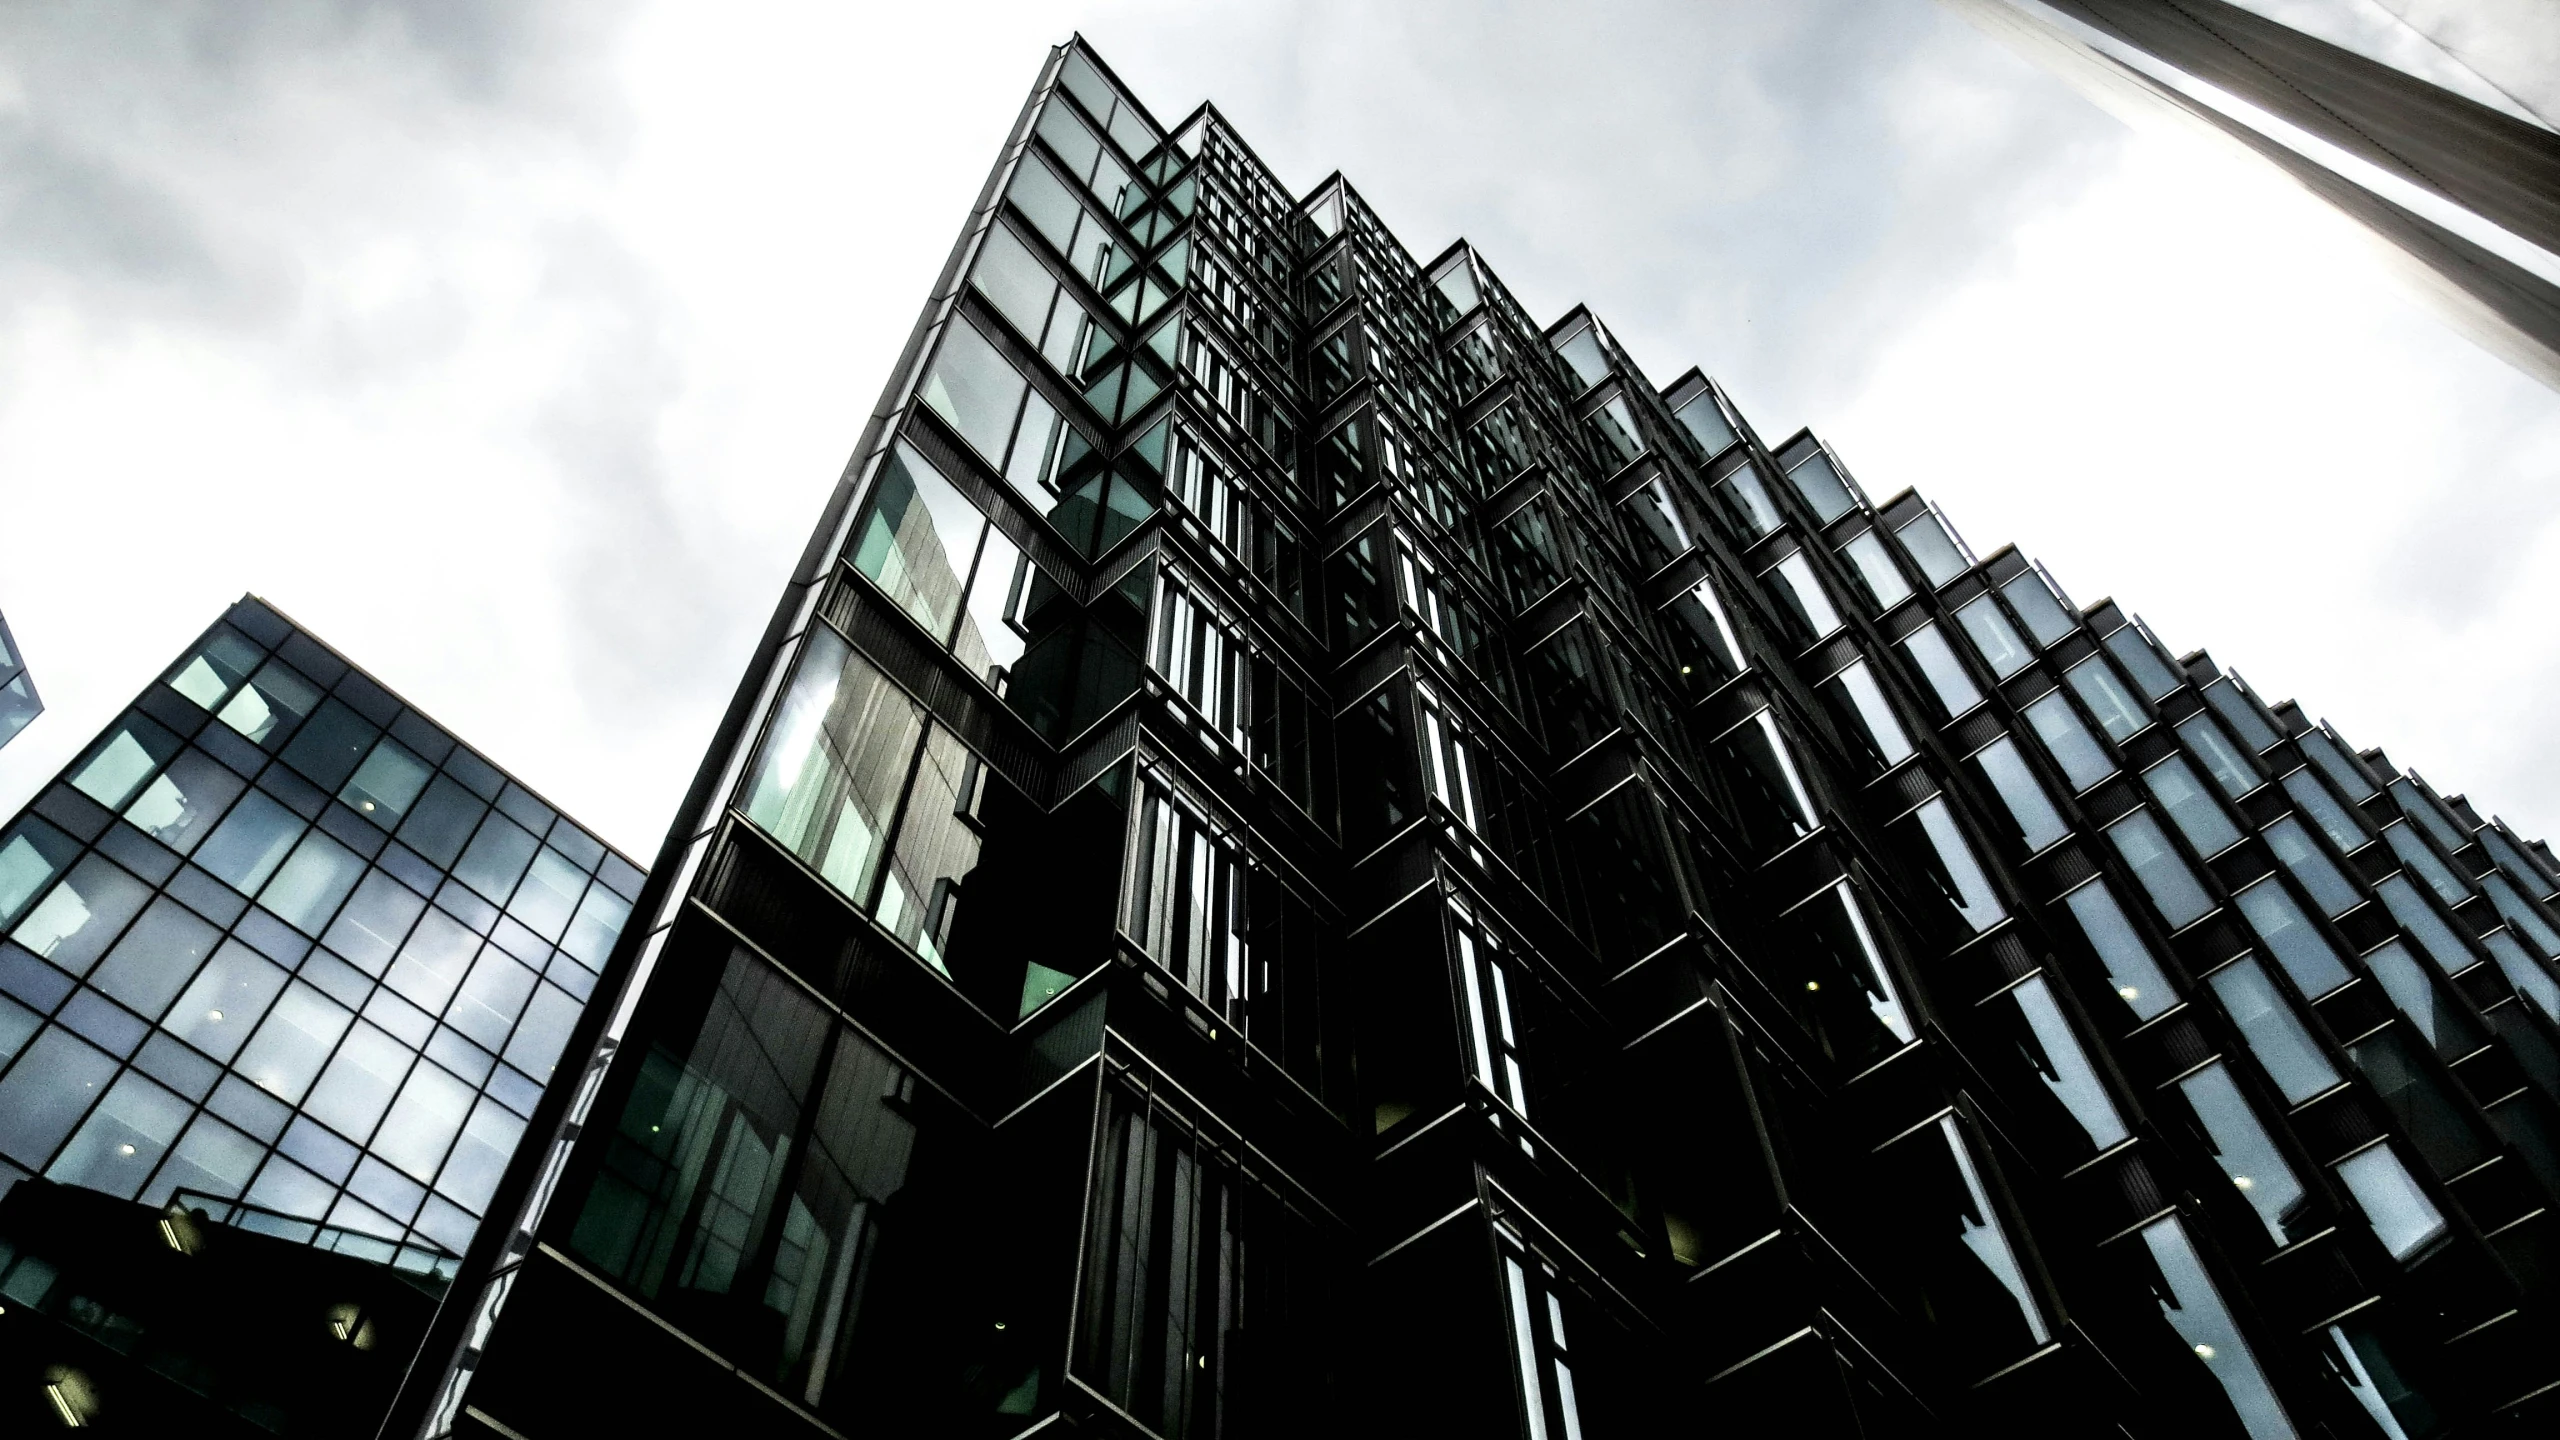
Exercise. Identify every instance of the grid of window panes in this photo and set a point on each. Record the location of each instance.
(276, 936)
(19, 702)
(1660, 787)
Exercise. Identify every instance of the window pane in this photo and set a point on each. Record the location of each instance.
(2221, 758)
(2069, 742)
(937, 847)
(360, 1081)
(495, 859)
(386, 784)
(2195, 1310)
(1744, 490)
(119, 764)
(2095, 682)
(423, 1121)
(989, 641)
(2119, 946)
(2347, 774)
(2242, 1147)
(251, 842)
(1972, 895)
(377, 918)
(226, 1001)
(1875, 713)
(975, 389)
(917, 537)
(180, 806)
(1945, 673)
(2297, 944)
(1703, 420)
(44, 1096)
(480, 1155)
(156, 957)
(2424, 925)
(1927, 540)
(2046, 619)
(2404, 1219)
(2343, 828)
(2134, 652)
(1019, 286)
(1822, 487)
(2021, 792)
(834, 762)
(1875, 566)
(598, 924)
(2244, 718)
(208, 675)
(2064, 1066)
(1961, 1248)
(2173, 783)
(491, 998)
(2521, 915)
(296, 1039)
(2329, 887)
(1994, 637)
(2163, 873)
(126, 1136)
(1813, 605)
(2267, 1023)
(2445, 1026)
(74, 925)
(1582, 352)
(271, 704)
(31, 854)
(549, 894)
(306, 891)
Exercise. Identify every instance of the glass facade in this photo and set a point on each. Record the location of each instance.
(1307, 851)
(277, 938)
(19, 702)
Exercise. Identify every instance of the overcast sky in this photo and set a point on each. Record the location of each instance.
(512, 347)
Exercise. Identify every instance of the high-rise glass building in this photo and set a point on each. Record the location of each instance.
(2431, 123)
(19, 702)
(1306, 853)
(277, 938)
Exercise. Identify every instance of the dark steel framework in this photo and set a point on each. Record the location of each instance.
(1305, 852)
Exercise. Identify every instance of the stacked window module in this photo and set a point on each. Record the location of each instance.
(1304, 851)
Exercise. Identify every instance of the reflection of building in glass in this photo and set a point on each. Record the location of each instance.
(2431, 123)
(1308, 855)
(276, 937)
(19, 702)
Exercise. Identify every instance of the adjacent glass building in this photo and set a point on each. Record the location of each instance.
(276, 938)
(19, 702)
(1304, 852)
(2430, 124)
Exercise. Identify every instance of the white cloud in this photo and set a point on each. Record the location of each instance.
(514, 348)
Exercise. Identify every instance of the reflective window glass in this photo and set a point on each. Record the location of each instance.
(2117, 712)
(2267, 1023)
(1582, 351)
(1705, 421)
(1934, 549)
(221, 663)
(2424, 925)
(289, 1049)
(834, 762)
(975, 388)
(2021, 792)
(1876, 719)
(1822, 487)
(2129, 966)
(156, 957)
(2034, 601)
(2221, 758)
(2199, 817)
(31, 854)
(2242, 1147)
(917, 539)
(307, 888)
(1994, 637)
(123, 1139)
(182, 802)
(2195, 1310)
(386, 784)
(2403, 1218)
(423, 1121)
(228, 999)
(2240, 713)
(1961, 1247)
(118, 764)
(2344, 829)
(73, 925)
(2062, 1064)
(251, 842)
(2418, 805)
(2329, 887)
(2132, 649)
(1946, 674)
(2345, 772)
(1812, 603)
(1743, 489)
(2422, 861)
(2521, 915)
(1875, 565)
(2083, 760)
(938, 844)
(2162, 871)
(2292, 938)
(1969, 890)
(47, 1092)
(2445, 1024)
(271, 704)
